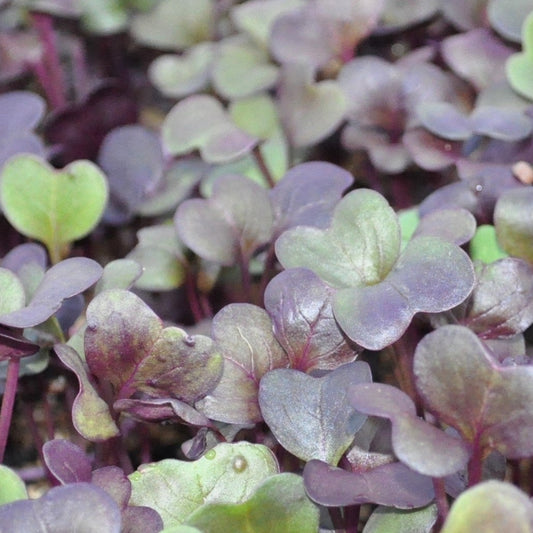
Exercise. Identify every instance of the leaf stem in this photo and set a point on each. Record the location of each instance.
(43, 24)
(351, 518)
(192, 296)
(246, 279)
(441, 500)
(475, 464)
(261, 164)
(8, 402)
(336, 518)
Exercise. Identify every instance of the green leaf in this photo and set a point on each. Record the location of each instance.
(228, 473)
(485, 246)
(519, 67)
(90, 413)
(12, 488)
(55, 207)
(12, 291)
(279, 505)
(359, 248)
(513, 220)
(490, 507)
(387, 519)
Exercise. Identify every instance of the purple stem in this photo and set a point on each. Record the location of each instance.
(43, 24)
(260, 161)
(440, 499)
(192, 297)
(8, 402)
(475, 464)
(351, 518)
(336, 518)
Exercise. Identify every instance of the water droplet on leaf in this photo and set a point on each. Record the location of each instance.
(239, 464)
(211, 454)
(189, 341)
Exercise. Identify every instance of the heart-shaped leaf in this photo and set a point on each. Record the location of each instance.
(453, 225)
(77, 508)
(359, 248)
(199, 122)
(307, 195)
(490, 506)
(55, 207)
(228, 226)
(299, 303)
(132, 160)
(179, 76)
(392, 484)
(242, 69)
(379, 290)
(311, 417)
(228, 473)
(90, 413)
(431, 275)
(66, 461)
(64, 280)
(309, 111)
(175, 24)
(279, 505)
(126, 344)
(421, 446)
(243, 334)
(161, 257)
(489, 404)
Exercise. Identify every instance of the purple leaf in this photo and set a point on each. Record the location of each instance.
(444, 120)
(465, 15)
(79, 129)
(135, 519)
(126, 345)
(310, 417)
(65, 279)
(310, 111)
(77, 508)
(90, 413)
(121, 330)
(243, 334)
(478, 56)
(23, 254)
(431, 152)
(307, 195)
(501, 124)
(162, 409)
(66, 461)
(421, 446)
(455, 225)
(391, 484)
(199, 122)
(502, 302)
(229, 225)
(299, 304)
(20, 112)
(431, 275)
(132, 159)
(489, 404)
(13, 345)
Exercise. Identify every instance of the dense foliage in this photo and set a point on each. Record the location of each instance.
(266, 265)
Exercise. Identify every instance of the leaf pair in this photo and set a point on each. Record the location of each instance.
(378, 289)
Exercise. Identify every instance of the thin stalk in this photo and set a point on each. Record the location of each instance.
(268, 268)
(440, 499)
(192, 297)
(261, 164)
(351, 518)
(336, 518)
(8, 402)
(246, 279)
(43, 24)
(475, 464)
